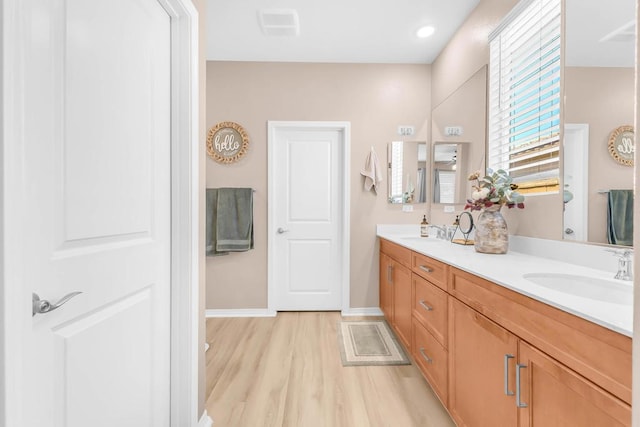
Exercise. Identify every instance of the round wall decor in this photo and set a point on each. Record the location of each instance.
(227, 142)
(622, 145)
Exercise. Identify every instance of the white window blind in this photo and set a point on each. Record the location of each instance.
(524, 95)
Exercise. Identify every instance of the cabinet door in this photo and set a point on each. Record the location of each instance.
(402, 303)
(557, 396)
(477, 349)
(386, 291)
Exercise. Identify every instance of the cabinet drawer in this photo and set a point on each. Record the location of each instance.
(396, 252)
(430, 308)
(595, 352)
(432, 359)
(432, 270)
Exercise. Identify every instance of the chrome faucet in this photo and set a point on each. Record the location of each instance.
(625, 263)
(441, 231)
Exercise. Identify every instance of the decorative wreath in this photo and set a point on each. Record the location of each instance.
(622, 145)
(227, 142)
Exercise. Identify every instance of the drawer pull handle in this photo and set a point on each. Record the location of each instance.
(424, 355)
(426, 269)
(426, 307)
(519, 403)
(506, 374)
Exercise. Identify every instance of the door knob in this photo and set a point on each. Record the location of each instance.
(41, 306)
(282, 230)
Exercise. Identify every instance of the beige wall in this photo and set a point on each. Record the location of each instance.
(374, 98)
(604, 99)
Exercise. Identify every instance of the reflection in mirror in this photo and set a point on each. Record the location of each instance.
(407, 172)
(465, 112)
(450, 171)
(599, 98)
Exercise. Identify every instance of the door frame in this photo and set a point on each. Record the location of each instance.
(185, 213)
(345, 127)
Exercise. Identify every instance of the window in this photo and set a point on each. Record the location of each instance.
(524, 96)
(395, 172)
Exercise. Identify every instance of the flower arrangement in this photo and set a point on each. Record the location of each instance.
(496, 188)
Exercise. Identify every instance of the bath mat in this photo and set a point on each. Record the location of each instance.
(369, 342)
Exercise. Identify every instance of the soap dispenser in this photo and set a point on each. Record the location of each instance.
(424, 227)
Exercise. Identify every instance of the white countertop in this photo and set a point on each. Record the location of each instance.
(507, 270)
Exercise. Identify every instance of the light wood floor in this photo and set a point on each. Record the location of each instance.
(286, 371)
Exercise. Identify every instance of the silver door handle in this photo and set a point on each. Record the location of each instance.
(282, 230)
(425, 306)
(506, 374)
(519, 403)
(41, 306)
(425, 357)
(426, 269)
(568, 231)
(390, 274)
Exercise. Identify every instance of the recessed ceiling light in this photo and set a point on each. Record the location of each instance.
(424, 32)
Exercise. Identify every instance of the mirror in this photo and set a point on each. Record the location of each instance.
(599, 98)
(407, 172)
(458, 127)
(450, 171)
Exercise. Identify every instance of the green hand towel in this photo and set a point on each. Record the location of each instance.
(620, 217)
(234, 224)
(211, 218)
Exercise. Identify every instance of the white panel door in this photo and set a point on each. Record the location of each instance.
(97, 191)
(576, 182)
(307, 194)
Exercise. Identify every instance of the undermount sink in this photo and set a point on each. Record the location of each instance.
(585, 287)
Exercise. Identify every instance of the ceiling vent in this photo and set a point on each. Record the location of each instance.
(626, 33)
(279, 22)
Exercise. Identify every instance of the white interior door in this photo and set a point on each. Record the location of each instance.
(307, 216)
(97, 218)
(576, 182)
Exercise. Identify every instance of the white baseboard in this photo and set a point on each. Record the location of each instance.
(205, 421)
(363, 311)
(240, 312)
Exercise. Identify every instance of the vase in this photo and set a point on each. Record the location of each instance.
(492, 236)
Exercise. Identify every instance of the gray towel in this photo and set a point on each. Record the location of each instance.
(620, 217)
(234, 220)
(212, 214)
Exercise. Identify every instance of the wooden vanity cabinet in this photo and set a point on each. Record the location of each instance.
(386, 289)
(477, 349)
(473, 340)
(430, 308)
(554, 395)
(572, 372)
(429, 330)
(395, 289)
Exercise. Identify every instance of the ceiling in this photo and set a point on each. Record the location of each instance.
(600, 33)
(349, 31)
